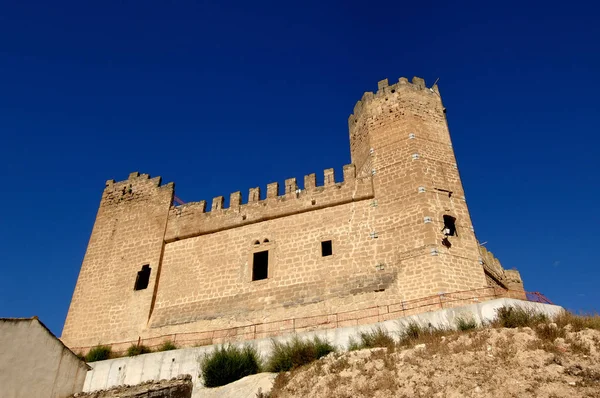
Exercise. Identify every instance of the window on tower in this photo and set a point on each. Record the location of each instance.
(260, 265)
(449, 226)
(326, 248)
(143, 277)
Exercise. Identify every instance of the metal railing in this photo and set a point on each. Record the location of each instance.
(361, 316)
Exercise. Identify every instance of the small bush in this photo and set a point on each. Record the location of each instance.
(98, 353)
(134, 350)
(353, 345)
(549, 332)
(516, 317)
(413, 334)
(463, 323)
(377, 337)
(167, 346)
(229, 363)
(291, 355)
(412, 331)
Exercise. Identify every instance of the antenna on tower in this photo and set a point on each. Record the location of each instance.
(434, 83)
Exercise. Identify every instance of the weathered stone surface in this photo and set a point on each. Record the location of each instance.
(180, 387)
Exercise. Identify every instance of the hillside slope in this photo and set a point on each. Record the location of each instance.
(548, 362)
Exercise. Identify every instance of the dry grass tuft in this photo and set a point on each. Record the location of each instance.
(549, 332)
(517, 317)
(377, 337)
(577, 322)
(466, 323)
(434, 338)
(296, 353)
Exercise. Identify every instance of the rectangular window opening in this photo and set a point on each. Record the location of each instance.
(449, 226)
(260, 265)
(326, 248)
(142, 279)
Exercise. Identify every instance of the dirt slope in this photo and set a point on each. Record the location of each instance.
(483, 363)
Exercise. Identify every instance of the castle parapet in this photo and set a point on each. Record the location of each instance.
(384, 88)
(510, 279)
(191, 219)
(135, 188)
(491, 264)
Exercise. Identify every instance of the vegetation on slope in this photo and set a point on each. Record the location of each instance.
(521, 353)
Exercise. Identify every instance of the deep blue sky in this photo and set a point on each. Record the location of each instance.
(224, 96)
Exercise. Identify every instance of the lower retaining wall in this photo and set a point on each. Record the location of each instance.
(169, 364)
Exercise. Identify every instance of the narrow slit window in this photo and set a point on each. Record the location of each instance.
(260, 265)
(143, 277)
(449, 226)
(326, 248)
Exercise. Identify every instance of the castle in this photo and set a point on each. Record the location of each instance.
(394, 228)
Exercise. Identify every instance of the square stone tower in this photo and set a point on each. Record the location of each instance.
(400, 136)
(396, 228)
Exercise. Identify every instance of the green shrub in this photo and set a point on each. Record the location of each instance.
(377, 337)
(134, 350)
(167, 346)
(98, 353)
(466, 323)
(229, 363)
(354, 345)
(516, 317)
(413, 334)
(412, 331)
(291, 355)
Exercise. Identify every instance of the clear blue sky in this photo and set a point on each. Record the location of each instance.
(224, 96)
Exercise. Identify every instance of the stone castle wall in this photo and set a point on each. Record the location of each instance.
(385, 221)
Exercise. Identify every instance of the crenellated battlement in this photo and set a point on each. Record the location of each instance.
(384, 89)
(192, 219)
(136, 186)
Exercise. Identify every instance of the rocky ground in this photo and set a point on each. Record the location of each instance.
(179, 387)
(549, 361)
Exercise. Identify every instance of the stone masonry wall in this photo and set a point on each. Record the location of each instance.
(416, 183)
(128, 233)
(385, 220)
